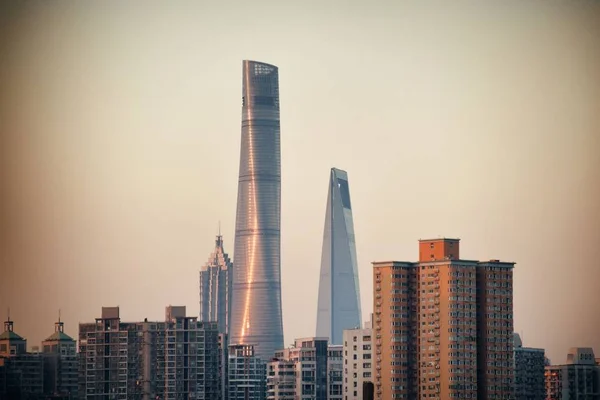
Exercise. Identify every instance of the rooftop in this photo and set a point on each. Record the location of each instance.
(58, 337)
(440, 239)
(10, 335)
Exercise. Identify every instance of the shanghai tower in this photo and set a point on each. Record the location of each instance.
(256, 293)
(339, 290)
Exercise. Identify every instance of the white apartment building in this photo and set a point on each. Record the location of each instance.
(357, 361)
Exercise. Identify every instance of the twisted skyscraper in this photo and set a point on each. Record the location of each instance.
(339, 291)
(256, 296)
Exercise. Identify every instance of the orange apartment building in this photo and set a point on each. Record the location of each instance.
(443, 326)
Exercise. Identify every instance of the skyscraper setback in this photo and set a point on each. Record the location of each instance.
(256, 293)
(215, 287)
(339, 292)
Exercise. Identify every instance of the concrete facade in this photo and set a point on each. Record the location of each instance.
(247, 374)
(177, 358)
(21, 372)
(309, 370)
(443, 326)
(60, 364)
(529, 372)
(577, 379)
(358, 361)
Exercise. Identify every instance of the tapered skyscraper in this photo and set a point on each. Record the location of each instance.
(215, 287)
(256, 295)
(339, 291)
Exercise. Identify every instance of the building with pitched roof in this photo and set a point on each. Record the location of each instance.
(59, 351)
(21, 373)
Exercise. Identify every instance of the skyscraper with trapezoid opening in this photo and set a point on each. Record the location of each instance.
(256, 295)
(339, 291)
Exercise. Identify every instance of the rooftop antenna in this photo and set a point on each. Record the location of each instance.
(219, 227)
(59, 315)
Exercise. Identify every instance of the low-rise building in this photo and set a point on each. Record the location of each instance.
(578, 379)
(529, 372)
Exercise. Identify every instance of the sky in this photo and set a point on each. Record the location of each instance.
(120, 136)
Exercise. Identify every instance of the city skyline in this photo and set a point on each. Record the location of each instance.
(119, 134)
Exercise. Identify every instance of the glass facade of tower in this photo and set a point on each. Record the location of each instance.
(339, 292)
(215, 287)
(256, 292)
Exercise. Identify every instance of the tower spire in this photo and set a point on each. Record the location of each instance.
(8, 324)
(59, 326)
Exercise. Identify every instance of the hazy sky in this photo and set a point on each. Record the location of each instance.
(120, 133)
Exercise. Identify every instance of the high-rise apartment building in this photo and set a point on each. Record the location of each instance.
(223, 364)
(215, 287)
(281, 379)
(247, 374)
(60, 364)
(256, 295)
(339, 292)
(174, 359)
(395, 331)
(443, 326)
(21, 372)
(578, 379)
(309, 360)
(358, 361)
(335, 372)
(529, 372)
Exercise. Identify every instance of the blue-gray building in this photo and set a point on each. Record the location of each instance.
(256, 292)
(215, 287)
(339, 292)
(247, 374)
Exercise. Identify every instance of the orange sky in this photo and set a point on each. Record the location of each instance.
(119, 147)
